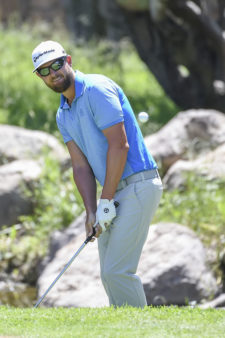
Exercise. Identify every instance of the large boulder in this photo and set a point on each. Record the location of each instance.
(186, 136)
(21, 162)
(218, 302)
(16, 178)
(59, 239)
(80, 285)
(210, 165)
(173, 270)
(17, 143)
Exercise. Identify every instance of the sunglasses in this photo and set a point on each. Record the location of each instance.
(56, 65)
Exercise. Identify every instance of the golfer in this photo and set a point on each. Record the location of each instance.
(105, 144)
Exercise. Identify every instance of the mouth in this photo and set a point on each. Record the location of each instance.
(57, 79)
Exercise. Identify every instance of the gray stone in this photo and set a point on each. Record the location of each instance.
(173, 270)
(59, 239)
(17, 143)
(186, 136)
(80, 285)
(173, 266)
(16, 179)
(22, 154)
(218, 302)
(210, 165)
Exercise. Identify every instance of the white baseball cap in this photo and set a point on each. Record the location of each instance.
(45, 52)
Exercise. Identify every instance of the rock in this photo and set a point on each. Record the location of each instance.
(210, 165)
(21, 161)
(16, 179)
(186, 136)
(176, 176)
(173, 270)
(59, 239)
(217, 302)
(70, 290)
(17, 143)
(173, 266)
(80, 285)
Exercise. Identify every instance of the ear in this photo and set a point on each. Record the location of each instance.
(69, 60)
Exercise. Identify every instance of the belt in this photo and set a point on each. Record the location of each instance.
(141, 176)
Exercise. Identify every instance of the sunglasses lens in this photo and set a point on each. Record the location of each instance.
(44, 71)
(57, 64)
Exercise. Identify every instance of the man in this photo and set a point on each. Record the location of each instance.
(105, 143)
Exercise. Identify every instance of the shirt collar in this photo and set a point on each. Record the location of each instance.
(79, 89)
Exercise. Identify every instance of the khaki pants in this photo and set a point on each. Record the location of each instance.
(120, 246)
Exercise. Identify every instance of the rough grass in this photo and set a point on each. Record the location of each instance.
(108, 322)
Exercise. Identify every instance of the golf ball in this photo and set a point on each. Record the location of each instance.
(143, 117)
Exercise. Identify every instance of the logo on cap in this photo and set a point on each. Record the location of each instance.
(45, 52)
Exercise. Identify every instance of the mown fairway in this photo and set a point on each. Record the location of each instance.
(108, 322)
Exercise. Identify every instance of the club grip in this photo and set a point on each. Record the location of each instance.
(89, 238)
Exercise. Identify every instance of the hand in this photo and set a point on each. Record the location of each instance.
(89, 224)
(106, 211)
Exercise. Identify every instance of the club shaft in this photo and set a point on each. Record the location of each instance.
(88, 239)
(61, 273)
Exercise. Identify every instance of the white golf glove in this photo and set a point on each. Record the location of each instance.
(105, 213)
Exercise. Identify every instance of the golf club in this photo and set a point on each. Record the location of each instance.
(88, 239)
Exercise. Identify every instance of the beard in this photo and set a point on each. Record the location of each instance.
(63, 84)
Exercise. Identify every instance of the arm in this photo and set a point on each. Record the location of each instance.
(115, 163)
(116, 158)
(85, 182)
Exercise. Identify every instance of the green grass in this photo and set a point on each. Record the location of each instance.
(108, 322)
(200, 205)
(22, 248)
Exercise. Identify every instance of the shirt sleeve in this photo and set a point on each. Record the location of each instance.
(105, 104)
(66, 136)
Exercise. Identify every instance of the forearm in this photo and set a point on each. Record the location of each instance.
(86, 184)
(116, 160)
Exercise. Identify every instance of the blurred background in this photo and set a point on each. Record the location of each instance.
(168, 56)
(96, 34)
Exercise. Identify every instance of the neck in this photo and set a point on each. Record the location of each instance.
(70, 93)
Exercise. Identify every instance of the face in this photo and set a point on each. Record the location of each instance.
(58, 80)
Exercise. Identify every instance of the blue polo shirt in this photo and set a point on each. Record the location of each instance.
(99, 104)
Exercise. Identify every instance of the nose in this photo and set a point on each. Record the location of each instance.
(52, 72)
